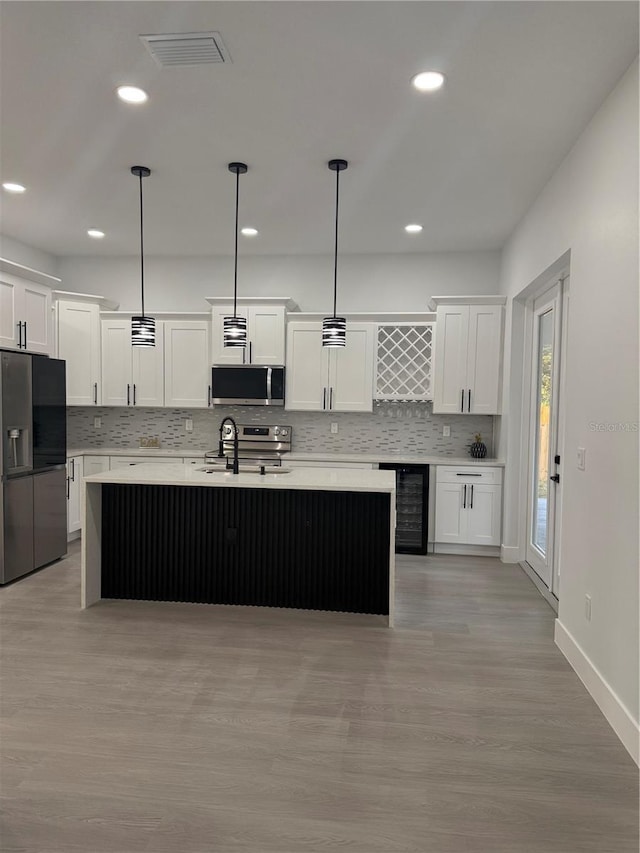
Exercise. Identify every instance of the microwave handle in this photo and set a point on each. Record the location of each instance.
(269, 372)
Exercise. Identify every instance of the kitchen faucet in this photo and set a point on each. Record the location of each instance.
(236, 464)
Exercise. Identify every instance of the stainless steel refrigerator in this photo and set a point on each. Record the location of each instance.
(33, 505)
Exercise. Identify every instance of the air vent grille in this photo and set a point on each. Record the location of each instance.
(186, 48)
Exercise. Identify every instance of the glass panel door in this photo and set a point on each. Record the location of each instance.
(544, 459)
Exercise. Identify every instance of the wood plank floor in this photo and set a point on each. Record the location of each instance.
(172, 728)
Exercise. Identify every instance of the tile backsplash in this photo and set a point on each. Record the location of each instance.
(390, 428)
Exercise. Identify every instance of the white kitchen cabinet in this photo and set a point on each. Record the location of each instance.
(468, 358)
(78, 328)
(468, 505)
(131, 376)
(74, 488)
(26, 321)
(300, 463)
(329, 379)
(187, 365)
(265, 330)
(403, 361)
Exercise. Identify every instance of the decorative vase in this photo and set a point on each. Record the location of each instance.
(478, 450)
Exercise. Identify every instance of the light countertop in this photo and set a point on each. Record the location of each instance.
(311, 479)
(294, 456)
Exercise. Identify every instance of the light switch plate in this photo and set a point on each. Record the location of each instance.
(334, 428)
(188, 424)
(581, 458)
(97, 422)
(446, 431)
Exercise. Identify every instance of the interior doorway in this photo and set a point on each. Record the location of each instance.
(546, 322)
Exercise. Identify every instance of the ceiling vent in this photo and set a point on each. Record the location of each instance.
(186, 48)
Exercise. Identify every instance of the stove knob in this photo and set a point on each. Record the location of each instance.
(276, 431)
(284, 432)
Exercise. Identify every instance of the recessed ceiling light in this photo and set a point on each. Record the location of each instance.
(428, 81)
(97, 235)
(413, 229)
(132, 95)
(249, 232)
(13, 188)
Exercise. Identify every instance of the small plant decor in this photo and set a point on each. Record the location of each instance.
(478, 450)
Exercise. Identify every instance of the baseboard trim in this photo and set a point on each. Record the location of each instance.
(544, 591)
(613, 709)
(71, 537)
(510, 554)
(466, 550)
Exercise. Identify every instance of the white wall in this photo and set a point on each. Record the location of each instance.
(365, 283)
(590, 209)
(20, 253)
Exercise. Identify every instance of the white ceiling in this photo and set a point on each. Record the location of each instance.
(308, 81)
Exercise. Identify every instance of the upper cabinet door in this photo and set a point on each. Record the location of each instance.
(351, 370)
(117, 375)
(37, 332)
(148, 372)
(79, 346)
(220, 354)
(266, 334)
(187, 365)
(483, 359)
(10, 313)
(307, 369)
(450, 389)
(26, 320)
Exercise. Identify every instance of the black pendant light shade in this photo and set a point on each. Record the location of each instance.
(334, 329)
(235, 328)
(143, 329)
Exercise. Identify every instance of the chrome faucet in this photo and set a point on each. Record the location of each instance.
(236, 464)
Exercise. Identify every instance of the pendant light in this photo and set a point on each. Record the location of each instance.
(143, 329)
(334, 328)
(235, 328)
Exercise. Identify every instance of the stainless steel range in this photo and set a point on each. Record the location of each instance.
(258, 447)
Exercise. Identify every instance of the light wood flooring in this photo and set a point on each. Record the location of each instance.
(173, 728)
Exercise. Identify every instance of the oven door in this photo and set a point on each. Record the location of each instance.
(247, 385)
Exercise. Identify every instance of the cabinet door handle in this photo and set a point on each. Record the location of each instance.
(331, 398)
(73, 470)
(471, 503)
(67, 488)
(464, 498)
(95, 393)
(250, 355)
(19, 335)
(128, 395)
(462, 400)
(324, 399)
(469, 403)
(209, 395)
(134, 393)
(244, 355)
(25, 334)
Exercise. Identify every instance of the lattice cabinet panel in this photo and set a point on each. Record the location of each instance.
(403, 367)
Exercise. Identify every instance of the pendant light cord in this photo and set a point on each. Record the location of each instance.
(141, 247)
(335, 253)
(235, 263)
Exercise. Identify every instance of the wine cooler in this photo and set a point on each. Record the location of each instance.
(412, 501)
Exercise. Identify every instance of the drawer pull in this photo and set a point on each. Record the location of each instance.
(468, 475)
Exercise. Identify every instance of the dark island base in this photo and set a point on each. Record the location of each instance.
(277, 548)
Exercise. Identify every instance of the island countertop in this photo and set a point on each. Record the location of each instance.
(307, 479)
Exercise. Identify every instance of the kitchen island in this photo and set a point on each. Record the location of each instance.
(311, 538)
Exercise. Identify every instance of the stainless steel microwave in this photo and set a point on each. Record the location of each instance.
(247, 385)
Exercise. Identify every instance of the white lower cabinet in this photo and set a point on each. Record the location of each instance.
(126, 461)
(468, 505)
(94, 465)
(329, 379)
(315, 464)
(74, 488)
